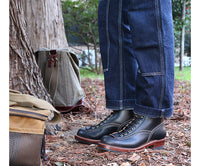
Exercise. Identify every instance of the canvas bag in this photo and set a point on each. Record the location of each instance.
(61, 77)
(27, 117)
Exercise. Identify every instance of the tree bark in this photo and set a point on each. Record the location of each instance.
(45, 25)
(33, 24)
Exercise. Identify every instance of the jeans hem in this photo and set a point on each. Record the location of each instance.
(125, 104)
(153, 112)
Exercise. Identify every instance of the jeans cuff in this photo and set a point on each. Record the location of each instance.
(153, 112)
(125, 104)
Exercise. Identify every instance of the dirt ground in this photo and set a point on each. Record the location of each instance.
(64, 150)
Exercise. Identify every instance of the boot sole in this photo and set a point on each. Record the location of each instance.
(86, 140)
(156, 145)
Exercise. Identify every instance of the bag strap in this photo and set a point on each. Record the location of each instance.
(25, 100)
(51, 74)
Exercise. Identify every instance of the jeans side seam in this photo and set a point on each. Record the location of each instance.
(107, 35)
(159, 26)
(120, 51)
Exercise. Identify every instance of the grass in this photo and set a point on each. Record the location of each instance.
(184, 75)
(88, 74)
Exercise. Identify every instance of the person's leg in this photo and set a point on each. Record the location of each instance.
(120, 69)
(153, 46)
(119, 63)
(153, 43)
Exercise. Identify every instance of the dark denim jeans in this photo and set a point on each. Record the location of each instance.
(137, 49)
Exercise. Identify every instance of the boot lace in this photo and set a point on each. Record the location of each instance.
(130, 127)
(102, 122)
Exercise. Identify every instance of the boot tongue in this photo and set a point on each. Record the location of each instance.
(130, 127)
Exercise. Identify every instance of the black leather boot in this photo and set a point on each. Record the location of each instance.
(114, 122)
(141, 132)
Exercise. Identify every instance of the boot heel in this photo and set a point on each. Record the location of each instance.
(159, 145)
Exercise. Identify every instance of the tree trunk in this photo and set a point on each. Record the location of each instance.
(182, 48)
(33, 24)
(46, 25)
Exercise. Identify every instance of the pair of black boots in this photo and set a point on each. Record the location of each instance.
(124, 131)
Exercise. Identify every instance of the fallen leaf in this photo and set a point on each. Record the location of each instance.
(59, 163)
(112, 164)
(125, 164)
(89, 162)
(134, 157)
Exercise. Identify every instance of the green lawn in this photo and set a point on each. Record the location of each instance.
(88, 74)
(180, 75)
(183, 75)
